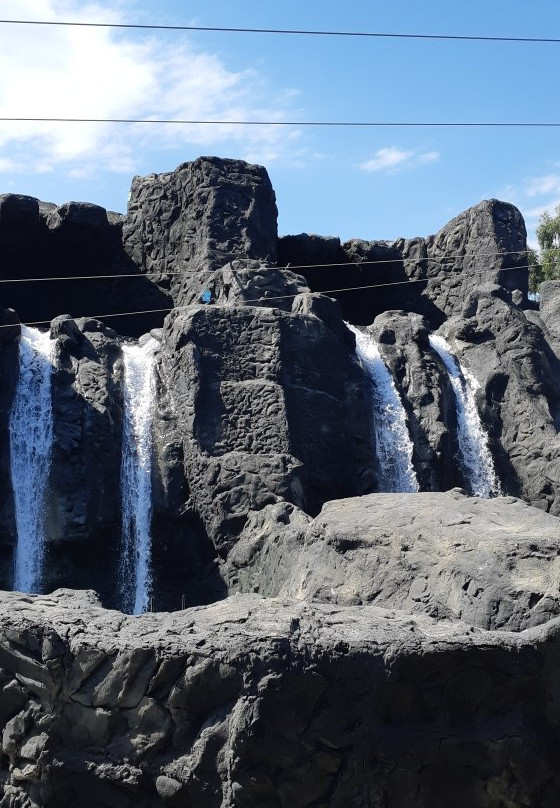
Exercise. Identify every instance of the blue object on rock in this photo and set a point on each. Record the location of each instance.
(206, 296)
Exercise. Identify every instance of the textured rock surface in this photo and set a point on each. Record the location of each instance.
(185, 224)
(255, 702)
(372, 661)
(271, 405)
(42, 240)
(484, 244)
(82, 519)
(490, 563)
(549, 309)
(426, 396)
(519, 393)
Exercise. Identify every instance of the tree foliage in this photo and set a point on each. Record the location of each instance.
(545, 266)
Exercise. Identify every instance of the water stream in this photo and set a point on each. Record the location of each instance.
(393, 445)
(472, 439)
(31, 435)
(135, 575)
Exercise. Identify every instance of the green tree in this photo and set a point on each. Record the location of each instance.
(536, 272)
(548, 236)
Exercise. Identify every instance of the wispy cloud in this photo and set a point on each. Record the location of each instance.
(428, 157)
(540, 186)
(390, 158)
(98, 73)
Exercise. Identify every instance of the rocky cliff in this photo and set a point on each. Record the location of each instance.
(333, 646)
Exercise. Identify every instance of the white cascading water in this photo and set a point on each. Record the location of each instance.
(392, 440)
(135, 572)
(31, 434)
(471, 438)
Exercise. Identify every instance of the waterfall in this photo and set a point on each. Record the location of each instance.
(472, 439)
(393, 444)
(31, 433)
(136, 468)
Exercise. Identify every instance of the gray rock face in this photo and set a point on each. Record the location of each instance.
(549, 309)
(490, 563)
(519, 393)
(184, 225)
(484, 244)
(82, 517)
(255, 702)
(426, 396)
(271, 405)
(382, 650)
(42, 240)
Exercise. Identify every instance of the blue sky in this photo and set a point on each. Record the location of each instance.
(368, 183)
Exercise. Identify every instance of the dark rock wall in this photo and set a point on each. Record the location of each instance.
(259, 397)
(270, 405)
(257, 702)
(185, 224)
(519, 393)
(433, 276)
(82, 518)
(39, 241)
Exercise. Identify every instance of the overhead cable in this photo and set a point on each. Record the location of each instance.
(290, 267)
(364, 124)
(285, 31)
(256, 299)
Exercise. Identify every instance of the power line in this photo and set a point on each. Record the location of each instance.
(290, 268)
(254, 300)
(364, 124)
(286, 31)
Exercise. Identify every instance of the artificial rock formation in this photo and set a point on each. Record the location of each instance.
(342, 647)
(485, 244)
(268, 702)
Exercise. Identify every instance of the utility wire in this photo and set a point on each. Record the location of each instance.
(290, 268)
(285, 31)
(252, 300)
(365, 124)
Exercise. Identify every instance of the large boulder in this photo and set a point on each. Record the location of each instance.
(492, 563)
(271, 405)
(518, 396)
(263, 702)
(185, 224)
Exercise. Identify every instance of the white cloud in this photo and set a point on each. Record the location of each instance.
(537, 212)
(387, 158)
(391, 158)
(540, 186)
(428, 157)
(101, 73)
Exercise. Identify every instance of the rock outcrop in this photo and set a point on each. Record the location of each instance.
(341, 647)
(490, 563)
(271, 406)
(432, 277)
(519, 392)
(184, 225)
(78, 241)
(256, 701)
